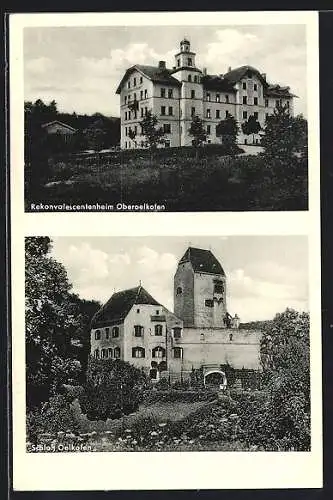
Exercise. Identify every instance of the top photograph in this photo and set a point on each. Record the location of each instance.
(165, 118)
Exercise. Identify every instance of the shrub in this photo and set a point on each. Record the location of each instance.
(54, 416)
(172, 395)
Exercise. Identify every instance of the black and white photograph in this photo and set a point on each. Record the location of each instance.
(166, 118)
(157, 344)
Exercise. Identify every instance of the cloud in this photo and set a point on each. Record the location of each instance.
(39, 65)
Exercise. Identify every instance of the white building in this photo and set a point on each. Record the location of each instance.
(176, 95)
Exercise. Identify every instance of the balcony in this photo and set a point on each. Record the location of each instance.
(160, 319)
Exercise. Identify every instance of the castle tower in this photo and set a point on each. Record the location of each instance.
(200, 290)
(191, 102)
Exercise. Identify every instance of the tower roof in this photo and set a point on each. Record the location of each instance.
(118, 306)
(202, 261)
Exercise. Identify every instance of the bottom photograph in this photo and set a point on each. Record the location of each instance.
(167, 344)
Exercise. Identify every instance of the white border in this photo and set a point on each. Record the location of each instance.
(204, 470)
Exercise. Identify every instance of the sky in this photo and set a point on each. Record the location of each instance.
(265, 274)
(81, 67)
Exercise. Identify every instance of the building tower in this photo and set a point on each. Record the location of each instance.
(191, 101)
(200, 290)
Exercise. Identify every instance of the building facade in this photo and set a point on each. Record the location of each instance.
(201, 333)
(176, 95)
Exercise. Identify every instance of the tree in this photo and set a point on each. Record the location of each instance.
(251, 126)
(228, 129)
(198, 132)
(50, 320)
(153, 133)
(285, 135)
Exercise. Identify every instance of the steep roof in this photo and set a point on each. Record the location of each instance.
(118, 306)
(237, 74)
(202, 261)
(215, 82)
(154, 73)
(279, 91)
(64, 125)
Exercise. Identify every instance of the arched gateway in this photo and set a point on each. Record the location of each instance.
(213, 375)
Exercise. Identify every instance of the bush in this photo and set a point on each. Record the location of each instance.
(172, 395)
(54, 416)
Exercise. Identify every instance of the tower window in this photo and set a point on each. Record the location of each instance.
(158, 330)
(189, 78)
(209, 303)
(115, 332)
(179, 290)
(195, 78)
(189, 61)
(192, 94)
(177, 352)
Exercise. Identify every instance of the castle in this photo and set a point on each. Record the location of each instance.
(200, 334)
(176, 95)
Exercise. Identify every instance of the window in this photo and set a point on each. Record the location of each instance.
(255, 101)
(266, 103)
(135, 129)
(107, 333)
(209, 303)
(146, 111)
(255, 114)
(129, 84)
(287, 104)
(157, 312)
(227, 114)
(177, 352)
(192, 94)
(167, 144)
(96, 353)
(179, 290)
(125, 115)
(218, 288)
(158, 352)
(162, 110)
(138, 311)
(208, 113)
(277, 102)
(244, 99)
(178, 62)
(158, 329)
(189, 61)
(189, 78)
(177, 332)
(255, 87)
(138, 352)
(125, 99)
(244, 85)
(115, 332)
(230, 336)
(266, 115)
(125, 145)
(141, 112)
(141, 79)
(217, 97)
(192, 111)
(162, 92)
(208, 96)
(170, 93)
(208, 129)
(138, 331)
(141, 94)
(167, 128)
(226, 98)
(217, 113)
(116, 352)
(195, 78)
(170, 110)
(98, 335)
(129, 115)
(110, 352)
(146, 93)
(134, 82)
(244, 115)
(129, 97)
(134, 96)
(104, 353)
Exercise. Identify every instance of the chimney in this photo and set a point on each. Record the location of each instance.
(204, 71)
(161, 64)
(229, 69)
